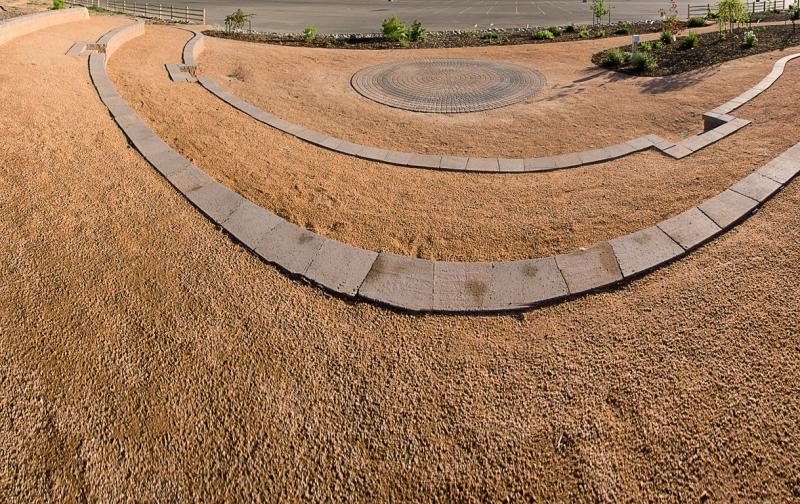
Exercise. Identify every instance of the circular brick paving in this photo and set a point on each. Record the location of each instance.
(447, 85)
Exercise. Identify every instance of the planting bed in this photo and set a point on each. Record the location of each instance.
(712, 50)
(438, 39)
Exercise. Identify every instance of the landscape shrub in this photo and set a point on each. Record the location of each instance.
(643, 62)
(696, 22)
(623, 29)
(600, 33)
(58, 4)
(583, 33)
(646, 46)
(794, 15)
(394, 29)
(750, 39)
(310, 32)
(489, 36)
(417, 31)
(235, 22)
(571, 28)
(690, 41)
(665, 37)
(616, 57)
(543, 35)
(556, 31)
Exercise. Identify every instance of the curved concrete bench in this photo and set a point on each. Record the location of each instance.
(23, 25)
(435, 286)
(717, 124)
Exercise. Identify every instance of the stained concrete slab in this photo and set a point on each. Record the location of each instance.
(290, 247)
(690, 228)
(250, 224)
(588, 269)
(756, 186)
(400, 281)
(643, 250)
(727, 208)
(341, 267)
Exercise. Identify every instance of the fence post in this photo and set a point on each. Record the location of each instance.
(145, 9)
(187, 13)
(170, 12)
(204, 15)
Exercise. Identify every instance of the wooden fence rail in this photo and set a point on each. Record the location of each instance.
(752, 7)
(143, 9)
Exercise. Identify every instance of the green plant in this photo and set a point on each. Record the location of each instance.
(599, 9)
(623, 29)
(658, 44)
(750, 39)
(394, 29)
(556, 31)
(58, 4)
(571, 28)
(489, 36)
(643, 62)
(696, 22)
(600, 33)
(417, 31)
(711, 15)
(670, 18)
(583, 33)
(690, 41)
(542, 35)
(646, 46)
(310, 32)
(730, 12)
(666, 37)
(235, 22)
(794, 15)
(616, 57)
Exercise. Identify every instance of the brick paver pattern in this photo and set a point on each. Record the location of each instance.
(447, 85)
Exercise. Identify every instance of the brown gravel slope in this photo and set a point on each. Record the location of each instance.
(431, 214)
(146, 357)
(582, 107)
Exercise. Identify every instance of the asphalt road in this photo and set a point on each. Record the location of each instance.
(365, 16)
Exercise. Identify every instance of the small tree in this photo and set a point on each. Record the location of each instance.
(599, 9)
(669, 18)
(731, 12)
(794, 15)
(235, 22)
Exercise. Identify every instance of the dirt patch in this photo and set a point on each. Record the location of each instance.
(712, 49)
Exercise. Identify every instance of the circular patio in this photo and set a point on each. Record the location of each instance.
(447, 85)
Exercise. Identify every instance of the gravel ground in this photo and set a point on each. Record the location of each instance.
(455, 216)
(147, 357)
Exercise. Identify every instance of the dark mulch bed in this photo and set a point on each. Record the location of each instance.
(436, 39)
(712, 50)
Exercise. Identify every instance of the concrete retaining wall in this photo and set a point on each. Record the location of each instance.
(23, 25)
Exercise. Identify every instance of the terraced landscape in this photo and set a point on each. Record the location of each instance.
(225, 278)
